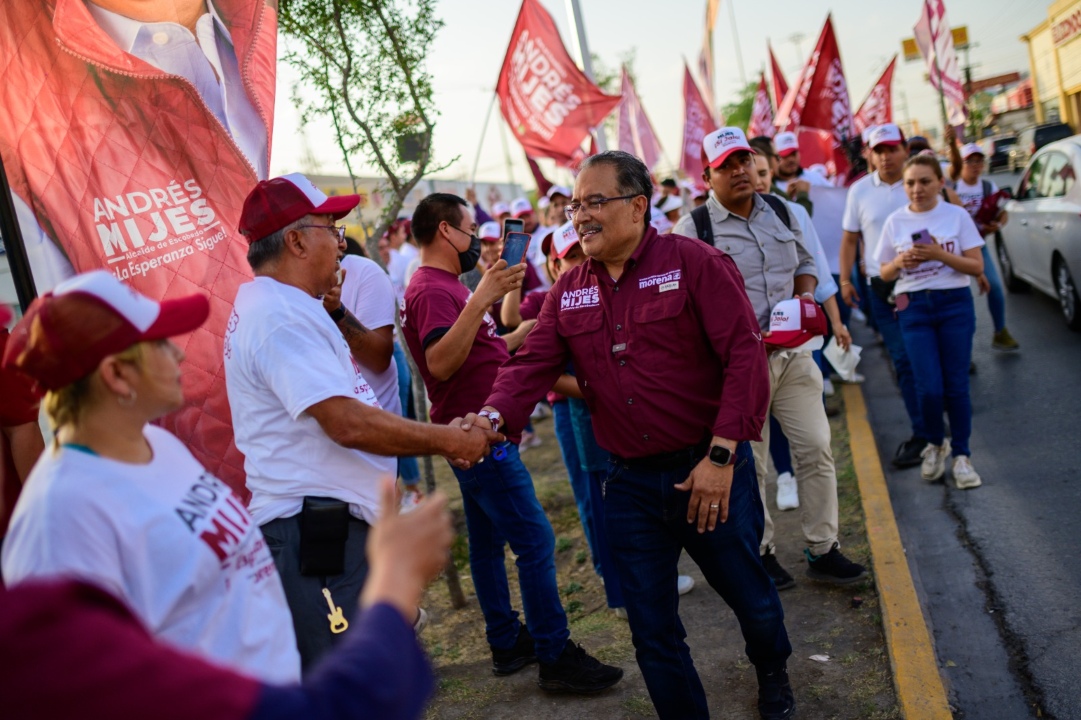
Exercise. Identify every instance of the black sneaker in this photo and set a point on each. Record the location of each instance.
(833, 567)
(908, 453)
(577, 671)
(778, 574)
(775, 700)
(508, 662)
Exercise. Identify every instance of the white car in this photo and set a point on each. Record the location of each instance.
(1040, 246)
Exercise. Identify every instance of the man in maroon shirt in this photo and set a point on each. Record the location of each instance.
(453, 338)
(670, 359)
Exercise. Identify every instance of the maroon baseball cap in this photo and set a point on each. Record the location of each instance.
(275, 203)
(66, 333)
(795, 322)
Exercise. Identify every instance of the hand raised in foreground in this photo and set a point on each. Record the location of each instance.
(405, 552)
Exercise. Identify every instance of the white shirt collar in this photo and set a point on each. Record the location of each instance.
(879, 182)
(124, 31)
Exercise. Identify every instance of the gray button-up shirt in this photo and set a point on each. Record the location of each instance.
(768, 253)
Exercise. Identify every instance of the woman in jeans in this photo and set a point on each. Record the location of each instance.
(932, 248)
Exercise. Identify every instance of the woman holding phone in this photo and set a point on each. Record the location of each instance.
(932, 248)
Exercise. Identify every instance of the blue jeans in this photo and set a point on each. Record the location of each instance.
(779, 449)
(500, 507)
(938, 326)
(579, 478)
(996, 297)
(646, 523)
(407, 466)
(890, 329)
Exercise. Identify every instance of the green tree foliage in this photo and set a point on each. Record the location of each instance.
(738, 114)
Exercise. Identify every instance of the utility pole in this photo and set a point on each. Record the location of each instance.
(574, 12)
(735, 41)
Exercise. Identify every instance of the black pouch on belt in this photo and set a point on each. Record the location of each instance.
(324, 527)
(884, 289)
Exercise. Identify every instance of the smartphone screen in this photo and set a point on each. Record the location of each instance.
(512, 225)
(514, 247)
(922, 238)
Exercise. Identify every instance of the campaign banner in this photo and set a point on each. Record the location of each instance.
(935, 41)
(761, 112)
(548, 102)
(780, 85)
(697, 123)
(877, 108)
(117, 163)
(636, 134)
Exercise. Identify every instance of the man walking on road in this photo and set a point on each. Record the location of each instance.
(760, 235)
(871, 200)
(677, 390)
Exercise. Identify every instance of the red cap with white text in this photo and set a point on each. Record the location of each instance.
(798, 324)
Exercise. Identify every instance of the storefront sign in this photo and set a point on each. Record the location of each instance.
(1067, 28)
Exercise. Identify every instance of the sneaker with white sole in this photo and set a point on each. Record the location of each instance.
(410, 499)
(787, 494)
(684, 584)
(934, 461)
(421, 621)
(964, 475)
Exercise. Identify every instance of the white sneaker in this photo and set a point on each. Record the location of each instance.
(787, 494)
(858, 315)
(934, 461)
(684, 584)
(827, 387)
(421, 622)
(529, 440)
(964, 475)
(621, 612)
(410, 500)
(541, 411)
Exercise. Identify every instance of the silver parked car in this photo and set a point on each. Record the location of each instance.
(1040, 246)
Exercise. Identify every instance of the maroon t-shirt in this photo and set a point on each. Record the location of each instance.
(531, 305)
(18, 406)
(433, 302)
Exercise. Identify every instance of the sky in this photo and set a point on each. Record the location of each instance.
(466, 56)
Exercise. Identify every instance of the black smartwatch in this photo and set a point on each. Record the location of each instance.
(337, 314)
(721, 456)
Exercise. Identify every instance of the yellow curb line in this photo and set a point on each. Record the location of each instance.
(915, 671)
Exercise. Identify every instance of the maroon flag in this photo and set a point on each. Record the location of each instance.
(549, 104)
(819, 99)
(780, 85)
(636, 134)
(761, 112)
(543, 183)
(935, 40)
(697, 123)
(877, 109)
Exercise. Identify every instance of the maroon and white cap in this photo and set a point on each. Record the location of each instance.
(273, 204)
(560, 241)
(500, 208)
(520, 207)
(719, 144)
(786, 143)
(797, 323)
(490, 231)
(865, 136)
(66, 333)
(559, 190)
(971, 149)
(887, 134)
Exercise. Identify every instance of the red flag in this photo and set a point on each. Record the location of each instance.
(877, 109)
(935, 40)
(697, 123)
(636, 134)
(543, 183)
(549, 104)
(780, 85)
(820, 98)
(761, 112)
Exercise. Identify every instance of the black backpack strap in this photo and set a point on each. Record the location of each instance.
(779, 206)
(986, 187)
(703, 226)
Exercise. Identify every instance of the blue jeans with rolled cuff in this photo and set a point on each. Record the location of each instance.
(501, 507)
(647, 528)
(938, 326)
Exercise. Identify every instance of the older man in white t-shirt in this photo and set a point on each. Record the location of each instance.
(315, 441)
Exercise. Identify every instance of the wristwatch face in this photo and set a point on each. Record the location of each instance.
(720, 455)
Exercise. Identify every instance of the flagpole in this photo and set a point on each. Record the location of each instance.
(735, 41)
(480, 143)
(14, 248)
(585, 61)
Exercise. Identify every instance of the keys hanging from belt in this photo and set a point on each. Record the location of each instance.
(338, 623)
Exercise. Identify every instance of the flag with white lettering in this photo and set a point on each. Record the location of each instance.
(548, 102)
(697, 123)
(761, 112)
(636, 134)
(935, 40)
(877, 109)
(780, 85)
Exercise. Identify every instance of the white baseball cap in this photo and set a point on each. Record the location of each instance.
(520, 207)
(866, 134)
(559, 190)
(670, 203)
(786, 143)
(500, 208)
(490, 231)
(543, 202)
(560, 241)
(719, 144)
(971, 149)
(887, 134)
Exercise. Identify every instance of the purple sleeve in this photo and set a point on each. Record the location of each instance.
(481, 216)
(378, 673)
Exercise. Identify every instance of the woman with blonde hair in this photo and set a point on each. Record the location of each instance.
(932, 248)
(122, 504)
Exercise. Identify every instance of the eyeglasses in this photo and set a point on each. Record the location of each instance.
(593, 204)
(337, 230)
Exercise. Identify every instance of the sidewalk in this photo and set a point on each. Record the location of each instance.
(855, 682)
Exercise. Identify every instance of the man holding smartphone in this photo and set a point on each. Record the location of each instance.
(453, 338)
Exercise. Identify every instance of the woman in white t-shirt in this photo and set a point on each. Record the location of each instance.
(932, 248)
(121, 503)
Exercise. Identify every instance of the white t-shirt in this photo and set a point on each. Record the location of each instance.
(170, 540)
(826, 287)
(812, 178)
(870, 202)
(398, 268)
(972, 195)
(284, 354)
(536, 257)
(369, 295)
(949, 225)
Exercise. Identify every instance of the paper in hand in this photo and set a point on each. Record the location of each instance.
(844, 362)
